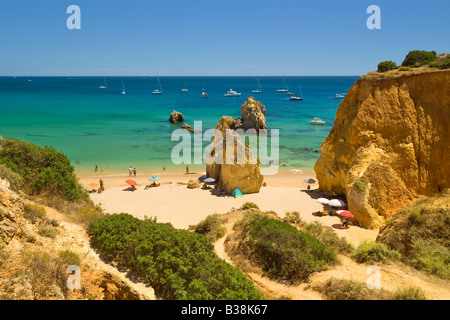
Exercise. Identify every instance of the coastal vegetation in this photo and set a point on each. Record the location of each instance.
(37, 170)
(280, 249)
(421, 233)
(342, 289)
(178, 264)
(211, 227)
(417, 59)
(386, 66)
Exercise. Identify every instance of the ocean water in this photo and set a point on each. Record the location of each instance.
(101, 127)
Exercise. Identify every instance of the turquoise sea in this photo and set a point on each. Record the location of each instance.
(103, 127)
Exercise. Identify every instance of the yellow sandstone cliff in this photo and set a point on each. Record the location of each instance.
(390, 144)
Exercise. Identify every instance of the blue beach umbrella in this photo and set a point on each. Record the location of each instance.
(154, 178)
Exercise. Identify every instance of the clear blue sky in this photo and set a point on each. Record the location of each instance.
(212, 37)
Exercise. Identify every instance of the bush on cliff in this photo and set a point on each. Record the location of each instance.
(42, 170)
(418, 58)
(386, 66)
(441, 63)
(421, 234)
(280, 249)
(178, 264)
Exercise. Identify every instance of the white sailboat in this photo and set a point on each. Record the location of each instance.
(259, 90)
(297, 98)
(159, 90)
(123, 88)
(285, 87)
(204, 92)
(104, 85)
(185, 87)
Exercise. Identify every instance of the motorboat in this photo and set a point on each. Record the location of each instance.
(317, 121)
(204, 92)
(232, 93)
(339, 96)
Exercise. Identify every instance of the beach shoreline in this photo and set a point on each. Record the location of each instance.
(172, 202)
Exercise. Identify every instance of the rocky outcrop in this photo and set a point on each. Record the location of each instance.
(253, 115)
(176, 117)
(189, 128)
(193, 184)
(389, 144)
(11, 212)
(244, 175)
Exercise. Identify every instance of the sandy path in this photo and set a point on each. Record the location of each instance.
(392, 277)
(75, 238)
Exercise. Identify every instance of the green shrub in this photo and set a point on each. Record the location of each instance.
(410, 293)
(292, 217)
(327, 236)
(211, 227)
(178, 264)
(342, 289)
(418, 58)
(441, 64)
(360, 185)
(386, 66)
(281, 250)
(373, 252)
(249, 205)
(70, 257)
(45, 170)
(404, 69)
(47, 231)
(45, 272)
(432, 258)
(34, 213)
(15, 179)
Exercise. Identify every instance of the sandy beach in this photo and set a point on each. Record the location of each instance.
(173, 202)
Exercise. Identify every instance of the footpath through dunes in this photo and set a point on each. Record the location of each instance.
(392, 276)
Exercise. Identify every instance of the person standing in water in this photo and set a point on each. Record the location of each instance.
(134, 172)
(130, 172)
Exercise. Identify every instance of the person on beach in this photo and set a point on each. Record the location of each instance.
(187, 169)
(134, 172)
(164, 168)
(130, 172)
(102, 188)
(96, 168)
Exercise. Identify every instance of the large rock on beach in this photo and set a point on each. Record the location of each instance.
(389, 145)
(243, 174)
(193, 184)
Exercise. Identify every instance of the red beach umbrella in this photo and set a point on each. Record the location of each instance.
(345, 213)
(131, 182)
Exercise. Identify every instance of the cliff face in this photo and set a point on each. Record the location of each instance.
(390, 144)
